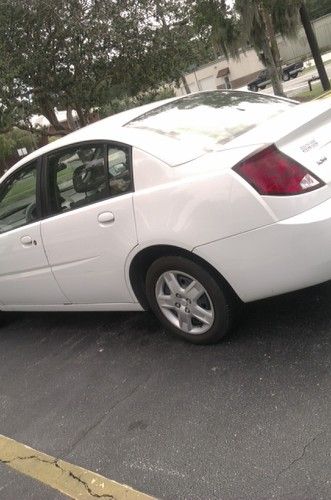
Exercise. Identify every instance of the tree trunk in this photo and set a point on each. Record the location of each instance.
(273, 41)
(70, 118)
(3, 166)
(81, 116)
(48, 111)
(267, 49)
(311, 37)
(160, 15)
(43, 139)
(273, 71)
(186, 85)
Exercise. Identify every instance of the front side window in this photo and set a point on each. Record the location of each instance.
(85, 174)
(18, 204)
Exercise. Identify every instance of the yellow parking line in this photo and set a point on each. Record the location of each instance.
(71, 480)
(325, 95)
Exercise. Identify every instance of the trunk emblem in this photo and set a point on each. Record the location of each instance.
(309, 146)
(322, 160)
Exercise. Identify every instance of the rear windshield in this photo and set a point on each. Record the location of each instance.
(211, 118)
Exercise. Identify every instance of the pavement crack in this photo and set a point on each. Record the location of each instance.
(104, 417)
(86, 486)
(298, 459)
(31, 457)
(56, 464)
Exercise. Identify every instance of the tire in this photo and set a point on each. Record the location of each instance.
(294, 75)
(254, 88)
(286, 77)
(2, 319)
(208, 298)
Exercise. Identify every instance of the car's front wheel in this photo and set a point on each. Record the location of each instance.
(188, 299)
(286, 77)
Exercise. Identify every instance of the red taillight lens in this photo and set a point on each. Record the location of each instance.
(271, 172)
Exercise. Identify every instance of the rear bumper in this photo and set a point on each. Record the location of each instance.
(282, 257)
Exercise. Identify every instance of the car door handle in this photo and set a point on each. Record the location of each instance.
(26, 241)
(106, 218)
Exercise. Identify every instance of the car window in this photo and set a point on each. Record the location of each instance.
(18, 205)
(210, 119)
(85, 174)
(120, 180)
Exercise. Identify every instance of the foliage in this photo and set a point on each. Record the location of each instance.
(285, 16)
(13, 140)
(318, 8)
(127, 102)
(82, 54)
(216, 22)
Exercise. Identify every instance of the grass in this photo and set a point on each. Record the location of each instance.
(306, 95)
(24, 189)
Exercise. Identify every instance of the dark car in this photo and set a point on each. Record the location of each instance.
(263, 78)
(260, 82)
(292, 70)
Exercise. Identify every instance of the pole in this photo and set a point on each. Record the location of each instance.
(315, 50)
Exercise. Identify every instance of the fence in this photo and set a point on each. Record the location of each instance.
(298, 48)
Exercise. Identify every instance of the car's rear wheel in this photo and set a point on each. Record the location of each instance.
(294, 75)
(2, 318)
(188, 299)
(254, 88)
(286, 77)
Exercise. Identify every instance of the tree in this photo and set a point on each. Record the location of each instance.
(286, 17)
(314, 47)
(11, 141)
(257, 28)
(231, 27)
(318, 8)
(215, 22)
(80, 54)
(52, 55)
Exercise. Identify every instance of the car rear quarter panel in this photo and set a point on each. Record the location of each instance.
(193, 204)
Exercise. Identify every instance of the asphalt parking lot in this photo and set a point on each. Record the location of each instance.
(246, 419)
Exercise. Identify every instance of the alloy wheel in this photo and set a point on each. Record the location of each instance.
(185, 302)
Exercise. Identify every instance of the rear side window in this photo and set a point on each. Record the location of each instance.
(211, 118)
(18, 204)
(85, 174)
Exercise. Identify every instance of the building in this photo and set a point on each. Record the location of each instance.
(236, 73)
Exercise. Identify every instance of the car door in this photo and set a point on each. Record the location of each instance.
(91, 228)
(25, 276)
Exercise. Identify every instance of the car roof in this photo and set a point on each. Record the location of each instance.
(166, 148)
(112, 128)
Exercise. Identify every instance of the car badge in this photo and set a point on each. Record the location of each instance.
(322, 160)
(305, 148)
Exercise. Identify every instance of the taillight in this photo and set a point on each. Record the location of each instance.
(271, 172)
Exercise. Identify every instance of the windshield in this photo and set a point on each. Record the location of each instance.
(211, 118)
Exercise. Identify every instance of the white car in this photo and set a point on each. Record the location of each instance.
(186, 207)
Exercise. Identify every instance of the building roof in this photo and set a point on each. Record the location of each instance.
(223, 72)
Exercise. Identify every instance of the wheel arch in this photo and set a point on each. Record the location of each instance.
(142, 260)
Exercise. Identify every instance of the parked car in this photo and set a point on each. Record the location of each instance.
(260, 82)
(263, 78)
(292, 70)
(188, 207)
